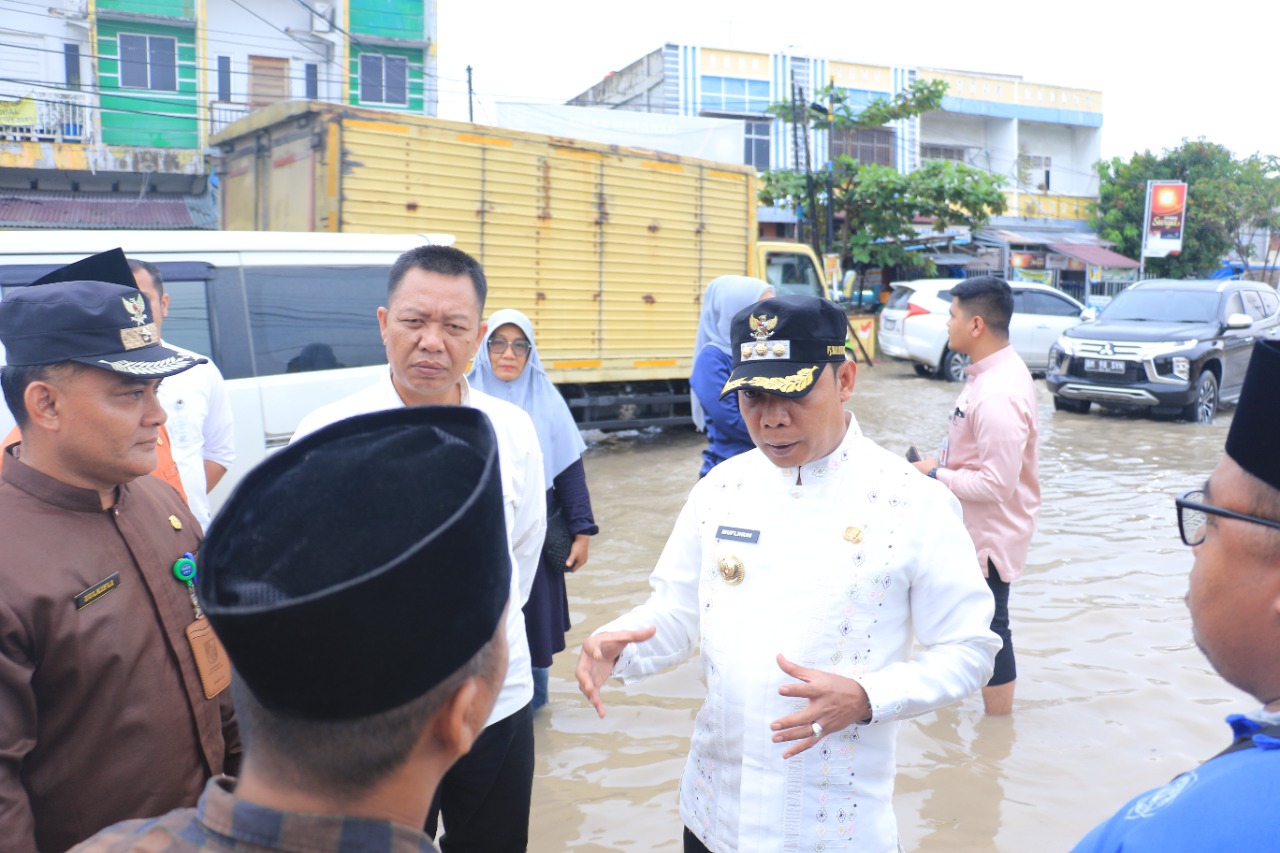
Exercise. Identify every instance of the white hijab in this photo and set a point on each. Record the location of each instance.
(534, 392)
(725, 297)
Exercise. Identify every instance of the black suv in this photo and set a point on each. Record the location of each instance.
(1170, 347)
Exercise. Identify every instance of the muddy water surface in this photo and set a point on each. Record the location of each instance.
(1113, 697)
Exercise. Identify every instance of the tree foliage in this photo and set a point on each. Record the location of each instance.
(876, 208)
(1229, 202)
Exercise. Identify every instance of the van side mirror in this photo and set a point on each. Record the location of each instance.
(1089, 313)
(1239, 321)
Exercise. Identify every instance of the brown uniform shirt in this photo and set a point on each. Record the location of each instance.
(102, 715)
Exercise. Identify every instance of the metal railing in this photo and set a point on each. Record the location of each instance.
(60, 116)
(223, 113)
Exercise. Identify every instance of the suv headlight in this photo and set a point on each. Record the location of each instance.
(1177, 366)
(1063, 345)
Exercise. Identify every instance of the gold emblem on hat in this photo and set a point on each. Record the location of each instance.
(762, 349)
(853, 534)
(137, 307)
(779, 350)
(731, 570)
(763, 326)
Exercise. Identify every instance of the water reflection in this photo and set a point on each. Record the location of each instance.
(1113, 697)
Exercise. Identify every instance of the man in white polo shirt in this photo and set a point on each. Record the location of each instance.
(431, 327)
(200, 423)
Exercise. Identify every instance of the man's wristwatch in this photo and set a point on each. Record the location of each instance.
(933, 472)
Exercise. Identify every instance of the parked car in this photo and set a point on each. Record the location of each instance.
(913, 325)
(1169, 347)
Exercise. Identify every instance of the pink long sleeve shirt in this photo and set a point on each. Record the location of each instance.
(990, 460)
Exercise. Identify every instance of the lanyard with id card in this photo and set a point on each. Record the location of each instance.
(206, 648)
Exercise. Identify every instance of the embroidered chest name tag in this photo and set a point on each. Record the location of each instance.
(99, 589)
(737, 534)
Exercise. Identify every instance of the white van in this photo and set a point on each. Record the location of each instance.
(289, 318)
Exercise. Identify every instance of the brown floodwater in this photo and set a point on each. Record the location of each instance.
(1113, 697)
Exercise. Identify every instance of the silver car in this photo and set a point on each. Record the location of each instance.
(913, 325)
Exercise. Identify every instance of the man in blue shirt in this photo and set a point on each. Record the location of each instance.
(1233, 527)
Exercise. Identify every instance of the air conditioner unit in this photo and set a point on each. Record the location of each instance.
(322, 17)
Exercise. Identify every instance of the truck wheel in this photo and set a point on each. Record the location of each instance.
(923, 370)
(1206, 404)
(951, 366)
(1079, 407)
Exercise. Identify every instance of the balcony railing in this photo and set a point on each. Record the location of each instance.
(60, 116)
(223, 113)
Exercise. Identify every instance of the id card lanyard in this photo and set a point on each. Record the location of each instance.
(211, 658)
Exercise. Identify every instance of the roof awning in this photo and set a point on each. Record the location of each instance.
(62, 209)
(1097, 256)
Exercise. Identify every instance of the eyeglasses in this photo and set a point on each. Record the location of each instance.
(1193, 516)
(521, 347)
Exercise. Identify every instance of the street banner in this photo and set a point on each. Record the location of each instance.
(20, 113)
(1166, 216)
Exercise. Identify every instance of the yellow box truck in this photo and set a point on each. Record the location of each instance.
(607, 249)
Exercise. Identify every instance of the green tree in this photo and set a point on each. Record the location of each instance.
(1229, 202)
(876, 208)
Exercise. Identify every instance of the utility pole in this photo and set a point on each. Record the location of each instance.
(795, 142)
(471, 116)
(815, 236)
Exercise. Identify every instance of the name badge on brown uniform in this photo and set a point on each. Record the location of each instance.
(211, 658)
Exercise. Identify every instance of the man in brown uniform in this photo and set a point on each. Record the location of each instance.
(109, 687)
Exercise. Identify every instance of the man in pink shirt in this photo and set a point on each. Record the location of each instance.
(989, 458)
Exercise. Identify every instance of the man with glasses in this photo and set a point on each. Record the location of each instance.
(431, 327)
(1233, 527)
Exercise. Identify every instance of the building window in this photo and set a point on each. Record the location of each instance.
(734, 95)
(268, 80)
(149, 62)
(942, 152)
(756, 136)
(224, 78)
(313, 81)
(1036, 166)
(383, 79)
(875, 145)
(71, 59)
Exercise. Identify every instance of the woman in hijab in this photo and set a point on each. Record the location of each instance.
(508, 367)
(713, 360)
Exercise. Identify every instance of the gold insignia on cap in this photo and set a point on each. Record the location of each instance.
(137, 307)
(762, 326)
(779, 350)
(853, 534)
(762, 349)
(175, 522)
(141, 336)
(797, 381)
(731, 570)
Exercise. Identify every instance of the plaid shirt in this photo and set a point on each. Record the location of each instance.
(221, 823)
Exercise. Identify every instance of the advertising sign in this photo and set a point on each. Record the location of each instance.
(1026, 260)
(21, 113)
(1166, 216)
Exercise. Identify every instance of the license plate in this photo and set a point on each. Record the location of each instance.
(890, 325)
(1102, 365)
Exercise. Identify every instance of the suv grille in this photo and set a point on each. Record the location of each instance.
(1113, 350)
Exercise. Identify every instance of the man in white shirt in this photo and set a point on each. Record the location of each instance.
(200, 422)
(431, 328)
(804, 569)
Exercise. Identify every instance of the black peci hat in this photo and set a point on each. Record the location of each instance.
(1256, 423)
(337, 607)
(782, 343)
(99, 318)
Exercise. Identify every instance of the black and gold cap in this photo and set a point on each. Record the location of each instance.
(1251, 439)
(88, 312)
(781, 344)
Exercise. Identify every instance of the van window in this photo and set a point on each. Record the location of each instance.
(305, 318)
(187, 324)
